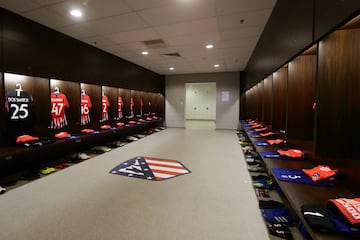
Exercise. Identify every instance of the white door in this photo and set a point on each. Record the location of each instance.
(200, 105)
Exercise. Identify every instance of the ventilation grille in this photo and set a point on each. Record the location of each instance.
(172, 54)
(155, 43)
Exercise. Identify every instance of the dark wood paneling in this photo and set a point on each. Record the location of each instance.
(137, 96)
(243, 110)
(268, 100)
(2, 109)
(288, 31)
(254, 103)
(126, 95)
(39, 89)
(301, 97)
(330, 13)
(260, 99)
(279, 99)
(338, 108)
(32, 49)
(147, 104)
(159, 102)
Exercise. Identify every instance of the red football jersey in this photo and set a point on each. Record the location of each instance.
(85, 109)
(105, 108)
(120, 106)
(59, 103)
(141, 106)
(131, 107)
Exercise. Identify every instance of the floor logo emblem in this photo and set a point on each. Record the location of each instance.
(154, 169)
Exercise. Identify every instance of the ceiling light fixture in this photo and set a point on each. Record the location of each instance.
(171, 68)
(216, 65)
(76, 13)
(209, 46)
(145, 53)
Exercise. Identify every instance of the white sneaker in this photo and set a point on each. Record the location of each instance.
(2, 190)
(83, 156)
(132, 138)
(101, 148)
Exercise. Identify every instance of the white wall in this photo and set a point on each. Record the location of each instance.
(227, 113)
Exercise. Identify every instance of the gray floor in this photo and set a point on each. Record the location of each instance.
(214, 201)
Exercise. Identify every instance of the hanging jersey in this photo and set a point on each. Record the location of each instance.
(141, 106)
(149, 107)
(105, 108)
(59, 103)
(120, 107)
(85, 109)
(131, 107)
(19, 107)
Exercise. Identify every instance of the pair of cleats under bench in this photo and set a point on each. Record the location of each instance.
(47, 170)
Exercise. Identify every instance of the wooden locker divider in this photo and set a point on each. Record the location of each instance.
(279, 99)
(260, 100)
(301, 100)
(126, 95)
(268, 102)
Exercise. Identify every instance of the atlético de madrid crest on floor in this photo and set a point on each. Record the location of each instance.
(154, 169)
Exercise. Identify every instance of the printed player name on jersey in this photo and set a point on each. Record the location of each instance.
(18, 100)
(57, 100)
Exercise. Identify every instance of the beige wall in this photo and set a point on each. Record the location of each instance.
(227, 113)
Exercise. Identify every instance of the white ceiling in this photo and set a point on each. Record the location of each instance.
(186, 26)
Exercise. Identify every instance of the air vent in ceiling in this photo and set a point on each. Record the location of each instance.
(172, 54)
(155, 43)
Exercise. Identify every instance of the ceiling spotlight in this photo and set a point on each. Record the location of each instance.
(216, 65)
(209, 46)
(145, 53)
(76, 13)
(171, 68)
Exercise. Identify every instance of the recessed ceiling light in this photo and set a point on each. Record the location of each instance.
(144, 52)
(216, 65)
(171, 68)
(76, 13)
(209, 46)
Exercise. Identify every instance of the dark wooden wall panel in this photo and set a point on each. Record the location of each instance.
(2, 108)
(330, 13)
(279, 99)
(338, 109)
(260, 99)
(268, 100)
(32, 49)
(288, 32)
(159, 108)
(254, 102)
(301, 97)
(250, 104)
(243, 110)
(294, 26)
(126, 95)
